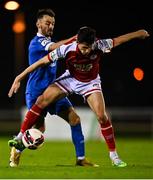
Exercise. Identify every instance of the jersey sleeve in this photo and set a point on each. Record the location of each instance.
(48, 45)
(105, 45)
(58, 53)
(45, 43)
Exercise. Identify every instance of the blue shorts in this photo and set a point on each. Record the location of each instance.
(55, 108)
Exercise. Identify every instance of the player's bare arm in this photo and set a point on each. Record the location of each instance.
(141, 34)
(16, 84)
(58, 44)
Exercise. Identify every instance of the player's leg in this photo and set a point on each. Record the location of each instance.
(77, 137)
(50, 95)
(30, 101)
(97, 104)
(66, 111)
(16, 144)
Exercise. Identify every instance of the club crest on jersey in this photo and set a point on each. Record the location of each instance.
(53, 55)
(94, 56)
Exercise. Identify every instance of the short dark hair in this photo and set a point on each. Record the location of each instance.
(86, 35)
(42, 12)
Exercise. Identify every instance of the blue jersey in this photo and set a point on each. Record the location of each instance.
(41, 78)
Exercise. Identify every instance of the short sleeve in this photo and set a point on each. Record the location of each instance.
(57, 53)
(105, 45)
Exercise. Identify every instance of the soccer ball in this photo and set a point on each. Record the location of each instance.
(33, 139)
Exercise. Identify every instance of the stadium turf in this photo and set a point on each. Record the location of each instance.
(55, 160)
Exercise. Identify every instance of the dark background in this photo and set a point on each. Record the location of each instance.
(110, 20)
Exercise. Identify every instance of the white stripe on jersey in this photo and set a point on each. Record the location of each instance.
(105, 45)
(48, 45)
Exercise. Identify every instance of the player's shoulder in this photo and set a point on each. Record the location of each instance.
(34, 44)
(65, 48)
(70, 46)
(34, 40)
(40, 41)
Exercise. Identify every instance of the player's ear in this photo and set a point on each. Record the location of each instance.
(38, 24)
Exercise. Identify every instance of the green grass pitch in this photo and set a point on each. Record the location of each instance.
(55, 160)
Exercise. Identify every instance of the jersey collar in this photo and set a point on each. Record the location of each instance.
(41, 35)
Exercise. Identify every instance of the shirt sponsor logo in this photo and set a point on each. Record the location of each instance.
(83, 67)
(44, 42)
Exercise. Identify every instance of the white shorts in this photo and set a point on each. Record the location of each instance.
(71, 85)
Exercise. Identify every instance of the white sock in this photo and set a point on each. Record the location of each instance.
(19, 136)
(113, 154)
(80, 157)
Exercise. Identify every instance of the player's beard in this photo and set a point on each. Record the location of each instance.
(50, 33)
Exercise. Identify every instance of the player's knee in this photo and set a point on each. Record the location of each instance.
(41, 102)
(74, 121)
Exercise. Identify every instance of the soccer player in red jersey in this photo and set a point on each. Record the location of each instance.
(81, 77)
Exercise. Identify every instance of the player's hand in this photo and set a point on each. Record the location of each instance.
(143, 34)
(14, 88)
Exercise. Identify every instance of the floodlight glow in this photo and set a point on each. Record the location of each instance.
(138, 74)
(11, 5)
(19, 26)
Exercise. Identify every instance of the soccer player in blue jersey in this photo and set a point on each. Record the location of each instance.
(38, 81)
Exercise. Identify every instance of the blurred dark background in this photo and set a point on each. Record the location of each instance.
(110, 19)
